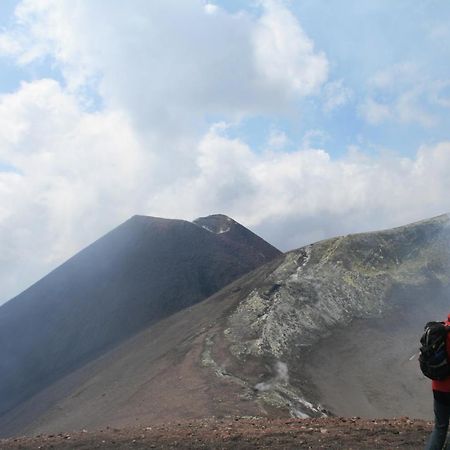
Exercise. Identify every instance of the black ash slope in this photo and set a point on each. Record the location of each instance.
(142, 271)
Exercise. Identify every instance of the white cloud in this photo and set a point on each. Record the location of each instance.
(403, 94)
(301, 196)
(76, 174)
(374, 112)
(80, 173)
(169, 63)
(147, 150)
(405, 74)
(277, 139)
(284, 54)
(8, 45)
(441, 94)
(160, 69)
(410, 108)
(210, 8)
(336, 94)
(314, 138)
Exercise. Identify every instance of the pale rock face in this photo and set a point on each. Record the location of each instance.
(330, 283)
(324, 287)
(222, 229)
(217, 223)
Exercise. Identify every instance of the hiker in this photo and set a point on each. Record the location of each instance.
(441, 395)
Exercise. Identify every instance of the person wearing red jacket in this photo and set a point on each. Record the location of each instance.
(441, 394)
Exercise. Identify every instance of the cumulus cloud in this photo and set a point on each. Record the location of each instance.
(298, 197)
(78, 173)
(284, 54)
(158, 72)
(171, 63)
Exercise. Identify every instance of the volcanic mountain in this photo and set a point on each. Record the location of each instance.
(329, 329)
(142, 271)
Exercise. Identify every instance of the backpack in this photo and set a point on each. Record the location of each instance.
(433, 357)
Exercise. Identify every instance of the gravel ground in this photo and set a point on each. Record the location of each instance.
(243, 433)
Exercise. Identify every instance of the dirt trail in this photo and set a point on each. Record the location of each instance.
(243, 433)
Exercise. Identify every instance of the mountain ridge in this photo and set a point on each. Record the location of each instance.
(143, 270)
(277, 342)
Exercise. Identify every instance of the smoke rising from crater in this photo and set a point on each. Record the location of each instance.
(281, 376)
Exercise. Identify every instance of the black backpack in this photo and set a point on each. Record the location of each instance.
(433, 357)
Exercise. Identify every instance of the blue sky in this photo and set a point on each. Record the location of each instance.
(10, 74)
(360, 40)
(300, 119)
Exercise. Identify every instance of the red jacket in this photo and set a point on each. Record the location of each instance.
(444, 385)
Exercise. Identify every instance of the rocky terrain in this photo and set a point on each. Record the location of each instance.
(243, 433)
(345, 314)
(330, 329)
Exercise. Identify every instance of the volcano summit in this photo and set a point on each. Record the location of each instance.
(142, 271)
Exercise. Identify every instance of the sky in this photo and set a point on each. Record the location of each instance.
(302, 119)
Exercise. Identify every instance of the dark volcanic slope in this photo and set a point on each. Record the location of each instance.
(329, 328)
(145, 269)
